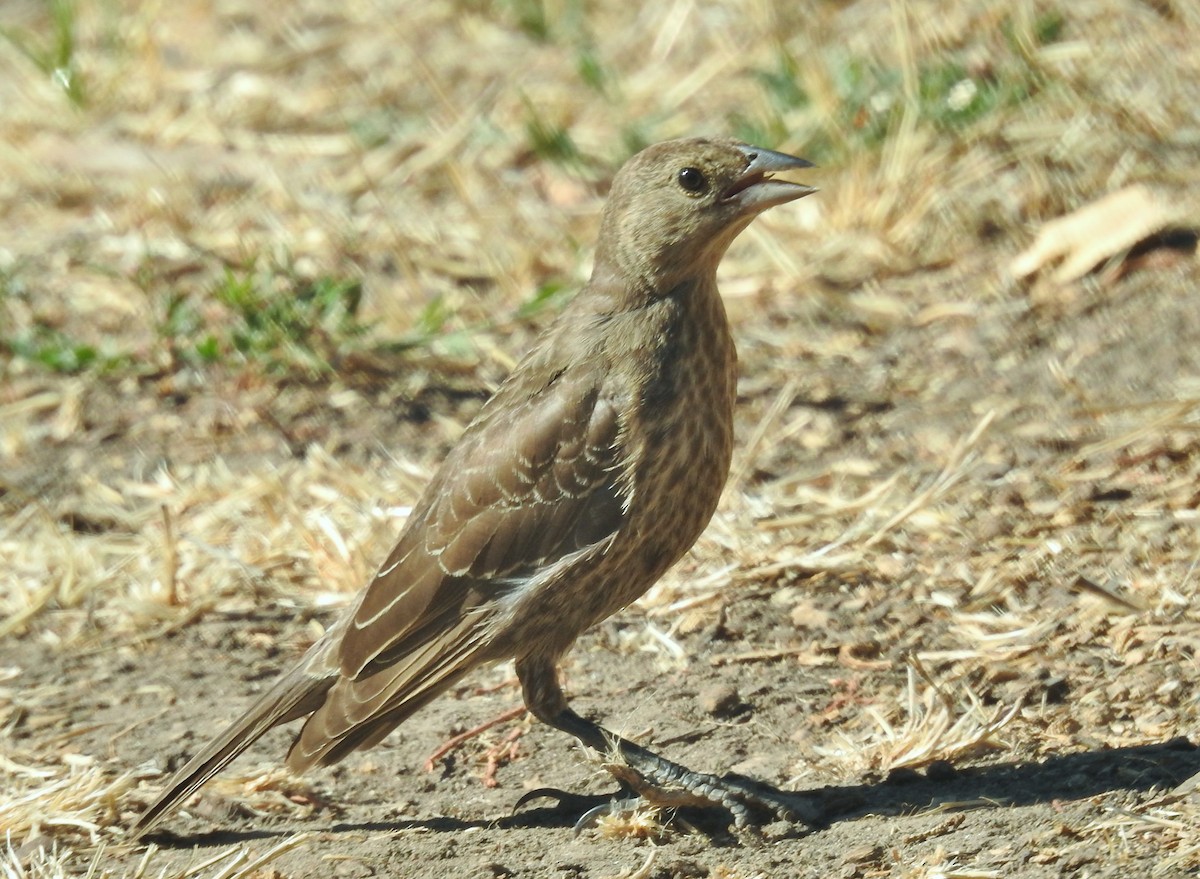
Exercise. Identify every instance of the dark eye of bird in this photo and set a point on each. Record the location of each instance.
(693, 180)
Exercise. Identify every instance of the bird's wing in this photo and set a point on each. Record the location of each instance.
(533, 483)
(527, 486)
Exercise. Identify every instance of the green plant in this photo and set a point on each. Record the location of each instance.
(55, 56)
(550, 295)
(185, 332)
(870, 99)
(549, 141)
(58, 352)
(531, 18)
(283, 321)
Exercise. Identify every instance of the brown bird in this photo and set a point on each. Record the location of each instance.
(592, 469)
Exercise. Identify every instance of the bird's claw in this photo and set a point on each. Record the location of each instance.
(669, 785)
(562, 799)
(592, 807)
(616, 805)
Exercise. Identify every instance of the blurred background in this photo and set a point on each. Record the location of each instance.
(422, 168)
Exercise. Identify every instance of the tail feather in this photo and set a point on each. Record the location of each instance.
(345, 714)
(359, 713)
(296, 694)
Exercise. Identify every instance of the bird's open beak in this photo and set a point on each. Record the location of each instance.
(756, 190)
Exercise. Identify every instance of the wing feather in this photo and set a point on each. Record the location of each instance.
(533, 483)
(526, 486)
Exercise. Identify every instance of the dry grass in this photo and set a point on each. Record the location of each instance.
(183, 544)
(937, 726)
(453, 156)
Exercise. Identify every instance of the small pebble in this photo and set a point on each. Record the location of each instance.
(720, 700)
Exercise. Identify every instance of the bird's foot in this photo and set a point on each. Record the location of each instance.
(662, 783)
(667, 785)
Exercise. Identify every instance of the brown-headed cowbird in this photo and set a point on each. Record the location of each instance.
(593, 468)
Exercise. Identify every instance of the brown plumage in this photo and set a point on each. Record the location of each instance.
(594, 467)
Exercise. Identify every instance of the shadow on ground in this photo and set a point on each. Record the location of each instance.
(941, 789)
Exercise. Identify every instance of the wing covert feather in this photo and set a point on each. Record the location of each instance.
(525, 487)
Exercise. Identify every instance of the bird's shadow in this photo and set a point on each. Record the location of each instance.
(1063, 778)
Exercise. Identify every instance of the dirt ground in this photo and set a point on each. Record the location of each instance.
(951, 591)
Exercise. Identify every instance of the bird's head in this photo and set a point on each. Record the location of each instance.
(676, 206)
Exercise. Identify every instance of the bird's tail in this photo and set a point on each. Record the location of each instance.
(296, 694)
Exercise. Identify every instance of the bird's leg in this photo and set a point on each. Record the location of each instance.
(655, 779)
